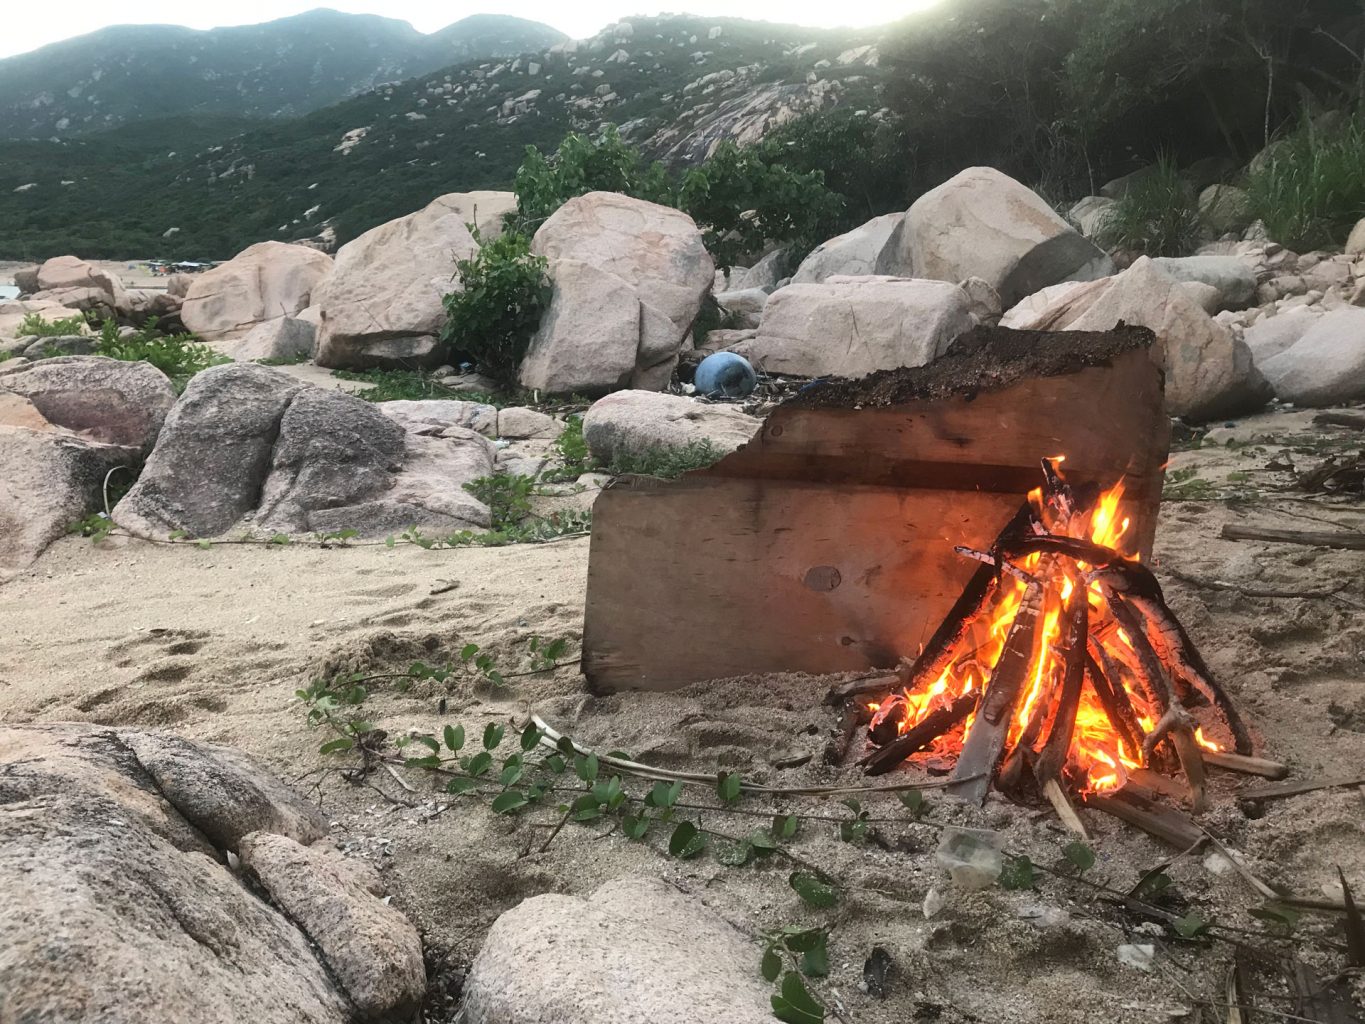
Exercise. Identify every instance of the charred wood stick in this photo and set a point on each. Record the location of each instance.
(938, 652)
(1144, 779)
(1095, 555)
(1235, 588)
(868, 686)
(1289, 789)
(1340, 419)
(985, 741)
(1105, 682)
(1137, 584)
(915, 739)
(1057, 492)
(1164, 823)
(1052, 759)
(1052, 789)
(854, 716)
(1246, 765)
(1003, 565)
(1175, 721)
(1345, 540)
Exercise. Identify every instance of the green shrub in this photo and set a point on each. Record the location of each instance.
(666, 462)
(572, 451)
(491, 319)
(507, 495)
(1312, 189)
(1157, 216)
(178, 356)
(743, 200)
(34, 325)
(581, 165)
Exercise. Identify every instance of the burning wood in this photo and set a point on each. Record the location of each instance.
(1061, 668)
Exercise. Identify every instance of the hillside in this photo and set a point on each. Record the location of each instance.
(281, 68)
(676, 84)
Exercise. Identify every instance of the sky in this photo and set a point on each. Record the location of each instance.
(25, 25)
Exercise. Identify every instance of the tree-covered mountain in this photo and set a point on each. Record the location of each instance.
(677, 85)
(281, 68)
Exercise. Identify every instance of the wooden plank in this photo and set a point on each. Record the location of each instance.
(826, 544)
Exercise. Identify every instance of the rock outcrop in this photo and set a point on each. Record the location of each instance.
(1326, 366)
(285, 338)
(599, 961)
(851, 326)
(249, 447)
(263, 282)
(873, 248)
(381, 307)
(118, 907)
(80, 285)
(983, 223)
(629, 279)
(635, 422)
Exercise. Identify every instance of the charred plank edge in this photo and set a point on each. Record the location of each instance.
(983, 359)
(915, 739)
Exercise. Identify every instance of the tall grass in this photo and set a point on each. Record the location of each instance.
(1158, 215)
(1311, 191)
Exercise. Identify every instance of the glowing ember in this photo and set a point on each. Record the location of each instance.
(1118, 708)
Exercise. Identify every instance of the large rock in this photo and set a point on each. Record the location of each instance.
(1324, 367)
(15, 312)
(870, 249)
(600, 960)
(852, 326)
(370, 947)
(635, 422)
(1209, 371)
(72, 275)
(285, 338)
(1226, 209)
(382, 305)
(26, 280)
(432, 417)
(1233, 278)
(764, 274)
(213, 454)
(264, 281)
(1271, 335)
(250, 447)
(52, 346)
(50, 479)
(118, 909)
(745, 308)
(983, 223)
(106, 400)
(1091, 214)
(629, 279)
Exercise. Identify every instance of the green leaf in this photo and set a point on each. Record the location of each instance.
(853, 831)
(430, 742)
(509, 801)
(479, 763)
(468, 651)
(430, 761)
(772, 964)
(664, 794)
(1080, 856)
(1018, 873)
(914, 801)
(530, 736)
(333, 746)
(795, 1004)
(585, 767)
(734, 855)
(728, 786)
(686, 842)
(1191, 926)
(785, 827)
(458, 786)
(492, 735)
(586, 808)
(813, 892)
(454, 737)
(178, 534)
(1152, 884)
(511, 772)
(815, 961)
(635, 827)
(565, 746)
(556, 764)
(1279, 917)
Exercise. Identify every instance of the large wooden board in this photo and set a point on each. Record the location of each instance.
(825, 545)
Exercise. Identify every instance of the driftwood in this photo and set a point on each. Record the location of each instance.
(1288, 789)
(1165, 823)
(1246, 765)
(1343, 540)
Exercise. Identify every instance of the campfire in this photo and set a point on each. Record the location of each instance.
(1061, 670)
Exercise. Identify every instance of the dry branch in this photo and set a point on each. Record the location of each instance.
(1343, 540)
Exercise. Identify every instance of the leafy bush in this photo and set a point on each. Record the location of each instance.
(582, 165)
(492, 318)
(34, 325)
(743, 199)
(1158, 215)
(666, 462)
(1312, 189)
(507, 495)
(572, 451)
(178, 356)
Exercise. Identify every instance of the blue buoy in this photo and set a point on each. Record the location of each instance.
(725, 375)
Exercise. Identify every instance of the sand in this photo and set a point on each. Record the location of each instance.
(214, 643)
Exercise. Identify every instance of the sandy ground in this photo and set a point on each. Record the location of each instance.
(214, 643)
(132, 273)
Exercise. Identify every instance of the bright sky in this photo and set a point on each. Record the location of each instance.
(25, 25)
